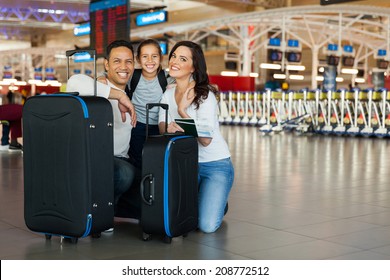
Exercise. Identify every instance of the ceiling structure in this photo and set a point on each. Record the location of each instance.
(366, 27)
(19, 19)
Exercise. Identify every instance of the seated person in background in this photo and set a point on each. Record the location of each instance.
(119, 65)
(12, 113)
(193, 97)
(4, 135)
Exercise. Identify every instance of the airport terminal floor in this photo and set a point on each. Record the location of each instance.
(295, 197)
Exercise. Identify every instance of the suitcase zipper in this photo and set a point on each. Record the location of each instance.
(166, 173)
(88, 226)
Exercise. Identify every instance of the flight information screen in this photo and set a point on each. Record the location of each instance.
(109, 22)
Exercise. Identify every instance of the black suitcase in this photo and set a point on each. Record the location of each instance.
(169, 186)
(68, 164)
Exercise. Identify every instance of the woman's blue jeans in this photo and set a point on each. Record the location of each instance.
(215, 182)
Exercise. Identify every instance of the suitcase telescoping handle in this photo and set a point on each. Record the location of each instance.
(92, 53)
(149, 177)
(149, 106)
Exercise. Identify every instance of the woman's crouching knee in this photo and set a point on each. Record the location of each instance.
(208, 226)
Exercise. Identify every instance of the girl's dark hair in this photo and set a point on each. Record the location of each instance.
(117, 44)
(149, 42)
(200, 76)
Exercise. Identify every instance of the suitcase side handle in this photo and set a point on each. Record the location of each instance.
(149, 106)
(151, 189)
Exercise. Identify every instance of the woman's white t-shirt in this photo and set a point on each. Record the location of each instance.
(207, 113)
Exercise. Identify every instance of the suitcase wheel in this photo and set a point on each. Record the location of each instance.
(146, 236)
(167, 239)
(96, 235)
(47, 236)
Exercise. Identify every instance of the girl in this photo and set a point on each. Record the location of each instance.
(194, 97)
(148, 89)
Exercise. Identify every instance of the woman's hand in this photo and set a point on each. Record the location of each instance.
(174, 127)
(186, 100)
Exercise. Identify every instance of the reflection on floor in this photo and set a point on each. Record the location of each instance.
(294, 197)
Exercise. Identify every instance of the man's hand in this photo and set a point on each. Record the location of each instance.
(125, 106)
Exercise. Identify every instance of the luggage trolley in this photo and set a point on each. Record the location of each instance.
(275, 111)
(223, 108)
(248, 108)
(353, 101)
(231, 107)
(240, 108)
(387, 112)
(306, 110)
(257, 109)
(262, 105)
(311, 105)
(365, 105)
(324, 101)
(381, 96)
(340, 106)
(295, 110)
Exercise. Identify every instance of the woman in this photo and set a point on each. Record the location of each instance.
(193, 97)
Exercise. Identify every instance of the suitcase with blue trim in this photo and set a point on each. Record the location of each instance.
(68, 164)
(169, 186)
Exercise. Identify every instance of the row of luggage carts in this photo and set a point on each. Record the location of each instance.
(342, 112)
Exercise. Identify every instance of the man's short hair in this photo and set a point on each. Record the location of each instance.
(117, 44)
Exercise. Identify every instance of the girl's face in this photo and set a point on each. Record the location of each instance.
(149, 58)
(181, 63)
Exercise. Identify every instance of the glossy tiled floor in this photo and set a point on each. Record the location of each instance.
(294, 197)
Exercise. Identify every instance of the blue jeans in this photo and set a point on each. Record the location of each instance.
(215, 182)
(124, 174)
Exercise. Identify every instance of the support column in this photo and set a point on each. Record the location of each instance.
(314, 66)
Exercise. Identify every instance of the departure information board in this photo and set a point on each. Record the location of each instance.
(109, 22)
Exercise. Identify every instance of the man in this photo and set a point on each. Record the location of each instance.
(119, 66)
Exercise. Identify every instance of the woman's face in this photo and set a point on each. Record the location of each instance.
(181, 64)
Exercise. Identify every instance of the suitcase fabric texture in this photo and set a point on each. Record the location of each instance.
(68, 165)
(169, 186)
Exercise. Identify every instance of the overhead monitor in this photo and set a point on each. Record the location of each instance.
(333, 60)
(382, 64)
(294, 56)
(109, 22)
(348, 61)
(275, 55)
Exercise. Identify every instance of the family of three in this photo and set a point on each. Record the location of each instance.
(189, 95)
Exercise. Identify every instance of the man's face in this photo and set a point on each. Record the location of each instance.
(119, 66)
